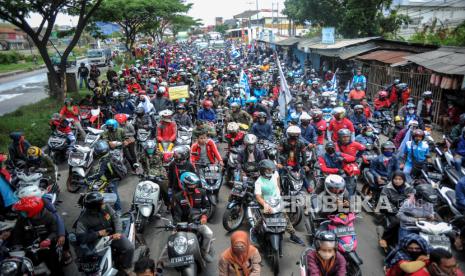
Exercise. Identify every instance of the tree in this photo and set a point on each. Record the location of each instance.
(221, 28)
(351, 18)
(16, 12)
(439, 34)
(181, 23)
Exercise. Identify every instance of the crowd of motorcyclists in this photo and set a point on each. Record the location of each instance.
(327, 143)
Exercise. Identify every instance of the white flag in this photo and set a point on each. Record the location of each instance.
(284, 94)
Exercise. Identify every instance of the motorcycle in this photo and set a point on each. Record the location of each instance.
(292, 184)
(166, 148)
(146, 201)
(443, 162)
(92, 136)
(79, 161)
(183, 248)
(212, 179)
(58, 146)
(343, 226)
(36, 178)
(241, 205)
(384, 122)
(142, 136)
(184, 136)
(219, 125)
(270, 234)
(435, 233)
(232, 173)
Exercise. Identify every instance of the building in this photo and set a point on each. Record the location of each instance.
(218, 21)
(446, 13)
(12, 38)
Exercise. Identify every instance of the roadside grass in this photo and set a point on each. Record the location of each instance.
(32, 120)
(29, 66)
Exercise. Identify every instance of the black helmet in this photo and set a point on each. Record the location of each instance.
(461, 120)
(261, 115)
(325, 236)
(343, 132)
(140, 111)
(93, 200)
(180, 154)
(266, 164)
(16, 266)
(330, 145)
(180, 106)
(426, 192)
(101, 148)
(388, 145)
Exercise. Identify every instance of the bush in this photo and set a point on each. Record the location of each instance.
(10, 57)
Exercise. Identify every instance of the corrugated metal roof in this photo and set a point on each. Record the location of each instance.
(289, 41)
(386, 56)
(315, 43)
(446, 60)
(353, 51)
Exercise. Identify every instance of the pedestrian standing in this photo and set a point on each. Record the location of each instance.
(83, 73)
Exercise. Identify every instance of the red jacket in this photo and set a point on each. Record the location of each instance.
(324, 167)
(166, 132)
(60, 125)
(212, 152)
(133, 86)
(405, 95)
(236, 140)
(393, 94)
(382, 103)
(320, 127)
(351, 149)
(336, 125)
(70, 114)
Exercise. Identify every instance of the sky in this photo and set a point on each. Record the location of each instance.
(206, 10)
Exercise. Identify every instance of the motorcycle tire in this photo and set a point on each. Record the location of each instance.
(275, 262)
(310, 227)
(70, 187)
(228, 213)
(211, 211)
(353, 269)
(295, 217)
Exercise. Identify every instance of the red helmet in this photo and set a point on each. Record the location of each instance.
(207, 104)
(382, 94)
(31, 205)
(121, 118)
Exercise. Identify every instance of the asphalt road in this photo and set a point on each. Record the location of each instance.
(156, 239)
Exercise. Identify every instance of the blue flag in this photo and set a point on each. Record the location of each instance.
(244, 83)
(234, 52)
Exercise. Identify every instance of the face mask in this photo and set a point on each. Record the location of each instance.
(388, 153)
(268, 175)
(305, 123)
(415, 255)
(325, 255)
(250, 148)
(411, 111)
(358, 88)
(330, 151)
(369, 133)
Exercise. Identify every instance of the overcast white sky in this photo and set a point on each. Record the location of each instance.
(206, 10)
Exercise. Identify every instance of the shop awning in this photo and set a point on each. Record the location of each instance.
(445, 60)
(289, 41)
(385, 56)
(337, 49)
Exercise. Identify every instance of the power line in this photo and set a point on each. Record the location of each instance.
(416, 13)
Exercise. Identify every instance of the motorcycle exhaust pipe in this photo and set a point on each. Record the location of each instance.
(250, 217)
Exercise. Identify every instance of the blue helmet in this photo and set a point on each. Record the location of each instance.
(101, 148)
(252, 99)
(189, 179)
(111, 124)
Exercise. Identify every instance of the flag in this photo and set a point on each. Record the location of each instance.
(284, 94)
(407, 138)
(244, 83)
(334, 80)
(234, 52)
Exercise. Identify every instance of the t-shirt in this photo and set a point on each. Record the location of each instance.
(267, 188)
(203, 154)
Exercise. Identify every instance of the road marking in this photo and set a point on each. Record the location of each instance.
(9, 96)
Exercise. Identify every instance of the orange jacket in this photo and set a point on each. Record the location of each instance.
(212, 152)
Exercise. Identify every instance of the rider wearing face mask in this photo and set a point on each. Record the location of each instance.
(292, 150)
(326, 259)
(383, 166)
(331, 161)
(250, 152)
(366, 136)
(358, 118)
(261, 128)
(409, 257)
(339, 122)
(308, 131)
(241, 256)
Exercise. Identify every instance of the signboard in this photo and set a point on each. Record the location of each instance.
(178, 92)
(327, 35)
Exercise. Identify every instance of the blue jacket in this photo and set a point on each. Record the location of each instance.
(460, 148)
(127, 107)
(460, 194)
(358, 120)
(378, 168)
(365, 139)
(260, 92)
(420, 151)
(206, 115)
(309, 134)
(238, 100)
(356, 79)
(262, 131)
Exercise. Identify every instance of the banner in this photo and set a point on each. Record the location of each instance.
(234, 52)
(284, 94)
(244, 83)
(178, 92)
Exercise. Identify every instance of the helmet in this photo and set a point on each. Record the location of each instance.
(358, 107)
(427, 94)
(317, 114)
(111, 124)
(153, 80)
(425, 192)
(398, 119)
(16, 266)
(121, 118)
(189, 179)
(250, 139)
(325, 236)
(305, 117)
(139, 111)
(161, 90)
(402, 86)
(330, 145)
(413, 123)
(388, 145)
(101, 148)
(209, 88)
(410, 106)
(180, 107)
(461, 119)
(315, 82)
(166, 114)
(418, 132)
(261, 115)
(251, 100)
(382, 94)
(266, 164)
(68, 100)
(235, 104)
(233, 127)
(34, 153)
(396, 81)
(343, 132)
(30, 206)
(207, 104)
(30, 191)
(335, 184)
(181, 154)
(149, 147)
(93, 201)
(293, 131)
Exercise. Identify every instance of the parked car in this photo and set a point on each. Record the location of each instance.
(71, 61)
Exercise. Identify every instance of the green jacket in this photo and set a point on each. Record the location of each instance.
(117, 135)
(153, 165)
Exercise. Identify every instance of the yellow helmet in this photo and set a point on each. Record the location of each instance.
(398, 119)
(34, 152)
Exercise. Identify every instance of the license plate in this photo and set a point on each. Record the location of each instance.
(237, 192)
(144, 200)
(344, 231)
(438, 239)
(88, 267)
(212, 175)
(182, 260)
(276, 222)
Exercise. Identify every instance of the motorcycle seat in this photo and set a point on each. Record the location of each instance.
(83, 149)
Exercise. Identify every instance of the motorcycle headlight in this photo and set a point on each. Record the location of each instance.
(146, 189)
(180, 245)
(348, 247)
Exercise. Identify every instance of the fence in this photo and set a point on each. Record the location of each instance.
(379, 76)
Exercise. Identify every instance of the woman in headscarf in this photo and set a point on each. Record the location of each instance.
(241, 259)
(410, 256)
(144, 101)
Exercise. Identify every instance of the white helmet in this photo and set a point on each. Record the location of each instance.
(153, 80)
(338, 110)
(250, 139)
(293, 131)
(305, 116)
(165, 113)
(161, 89)
(163, 83)
(233, 127)
(335, 185)
(30, 191)
(413, 123)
